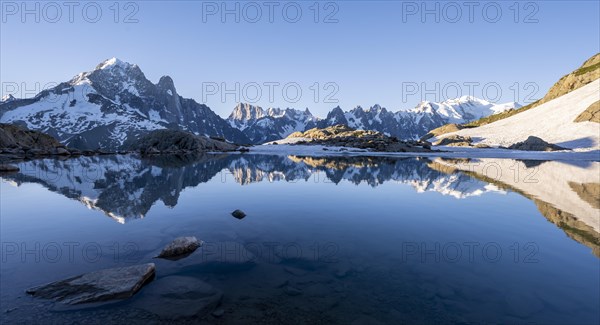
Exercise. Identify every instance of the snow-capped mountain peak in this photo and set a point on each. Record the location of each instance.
(463, 109)
(114, 63)
(112, 105)
(7, 98)
(273, 124)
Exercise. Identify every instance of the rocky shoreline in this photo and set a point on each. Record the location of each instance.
(20, 144)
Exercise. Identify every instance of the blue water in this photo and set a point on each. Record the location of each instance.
(325, 240)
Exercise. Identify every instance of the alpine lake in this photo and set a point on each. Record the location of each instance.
(340, 239)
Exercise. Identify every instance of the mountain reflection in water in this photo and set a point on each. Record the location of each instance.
(125, 187)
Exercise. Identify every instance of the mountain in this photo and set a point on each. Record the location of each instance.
(112, 104)
(115, 104)
(262, 126)
(556, 121)
(273, 124)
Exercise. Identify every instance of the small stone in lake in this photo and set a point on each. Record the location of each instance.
(239, 214)
(180, 248)
(8, 168)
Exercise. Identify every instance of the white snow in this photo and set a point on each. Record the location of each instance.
(287, 147)
(552, 121)
(7, 98)
(113, 62)
(461, 110)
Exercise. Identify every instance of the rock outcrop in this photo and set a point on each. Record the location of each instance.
(344, 136)
(588, 72)
(591, 114)
(448, 128)
(535, 144)
(98, 286)
(455, 141)
(13, 136)
(8, 168)
(175, 141)
(17, 142)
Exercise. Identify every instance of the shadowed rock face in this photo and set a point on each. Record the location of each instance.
(98, 286)
(13, 136)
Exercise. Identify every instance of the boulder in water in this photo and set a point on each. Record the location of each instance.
(180, 248)
(97, 286)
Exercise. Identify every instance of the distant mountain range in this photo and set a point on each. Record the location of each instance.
(114, 104)
(261, 125)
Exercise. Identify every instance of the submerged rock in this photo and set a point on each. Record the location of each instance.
(180, 248)
(535, 144)
(239, 214)
(98, 286)
(176, 297)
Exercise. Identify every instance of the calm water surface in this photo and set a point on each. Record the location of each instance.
(325, 240)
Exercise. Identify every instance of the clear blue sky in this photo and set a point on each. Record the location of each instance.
(373, 51)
